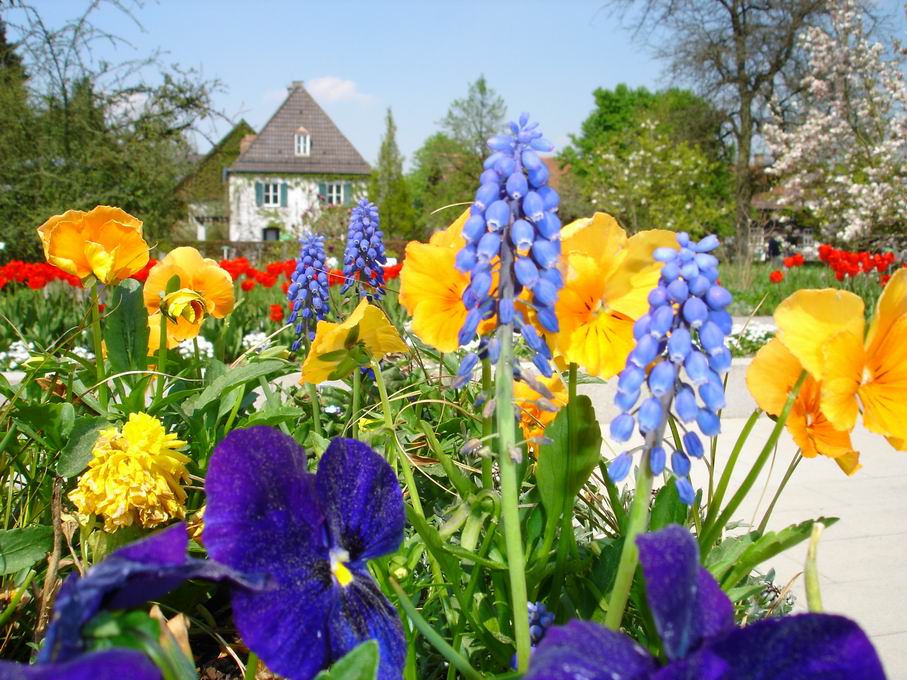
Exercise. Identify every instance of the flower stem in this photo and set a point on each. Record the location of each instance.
(715, 502)
(710, 535)
(316, 411)
(787, 475)
(354, 406)
(487, 427)
(162, 358)
(439, 643)
(251, 666)
(636, 524)
(811, 571)
(98, 346)
(510, 491)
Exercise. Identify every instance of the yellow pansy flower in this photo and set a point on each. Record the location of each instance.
(204, 289)
(134, 476)
(607, 279)
(431, 287)
(533, 418)
(339, 348)
(105, 242)
(824, 330)
(770, 377)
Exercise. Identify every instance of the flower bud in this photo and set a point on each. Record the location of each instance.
(630, 379)
(695, 312)
(497, 216)
(718, 297)
(619, 468)
(661, 378)
(657, 460)
(526, 271)
(546, 253)
(680, 464)
(708, 423)
(622, 427)
(522, 235)
(679, 345)
(684, 490)
(693, 445)
(534, 207)
(697, 367)
(651, 415)
(517, 186)
(487, 194)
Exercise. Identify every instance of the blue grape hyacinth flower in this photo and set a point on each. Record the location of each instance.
(313, 535)
(679, 356)
(127, 578)
(512, 245)
(695, 621)
(364, 259)
(308, 289)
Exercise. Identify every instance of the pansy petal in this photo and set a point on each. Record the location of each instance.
(844, 360)
(684, 610)
(891, 307)
(361, 500)
(805, 646)
(582, 650)
(114, 664)
(286, 625)
(809, 318)
(262, 511)
(364, 613)
(129, 577)
(771, 375)
(262, 516)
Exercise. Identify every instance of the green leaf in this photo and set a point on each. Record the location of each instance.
(231, 379)
(769, 545)
(21, 548)
(77, 452)
(724, 556)
(561, 472)
(273, 416)
(359, 664)
(667, 509)
(102, 544)
(126, 328)
(54, 420)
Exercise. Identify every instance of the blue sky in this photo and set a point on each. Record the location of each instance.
(359, 57)
(416, 56)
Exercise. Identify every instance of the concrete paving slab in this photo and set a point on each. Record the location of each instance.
(863, 558)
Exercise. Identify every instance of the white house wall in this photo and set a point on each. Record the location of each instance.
(248, 220)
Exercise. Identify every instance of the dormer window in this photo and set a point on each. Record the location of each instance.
(302, 142)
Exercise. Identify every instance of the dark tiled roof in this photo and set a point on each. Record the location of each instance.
(273, 149)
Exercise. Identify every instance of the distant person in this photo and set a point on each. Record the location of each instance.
(774, 250)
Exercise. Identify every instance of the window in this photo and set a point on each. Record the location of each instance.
(303, 144)
(335, 193)
(271, 194)
(270, 234)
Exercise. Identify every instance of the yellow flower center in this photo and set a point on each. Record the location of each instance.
(341, 572)
(867, 376)
(184, 303)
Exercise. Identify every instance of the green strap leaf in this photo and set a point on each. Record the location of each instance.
(126, 328)
(21, 548)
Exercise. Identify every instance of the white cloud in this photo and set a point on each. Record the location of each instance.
(335, 89)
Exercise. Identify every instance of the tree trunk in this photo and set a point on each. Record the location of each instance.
(743, 180)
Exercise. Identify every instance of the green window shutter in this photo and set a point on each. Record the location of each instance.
(259, 194)
(283, 195)
(322, 191)
(347, 193)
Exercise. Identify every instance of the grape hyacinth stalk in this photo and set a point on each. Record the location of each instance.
(308, 289)
(363, 259)
(512, 244)
(682, 339)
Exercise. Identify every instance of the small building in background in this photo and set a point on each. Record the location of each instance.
(299, 163)
(204, 191)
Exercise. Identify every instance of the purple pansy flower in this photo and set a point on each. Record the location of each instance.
(696, 623)
(127, 578)
(114, 664)
(313, 535)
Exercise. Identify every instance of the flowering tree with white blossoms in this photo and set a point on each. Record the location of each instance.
(844, 158)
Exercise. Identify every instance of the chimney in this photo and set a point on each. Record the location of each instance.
(246, 142)
(295, 85)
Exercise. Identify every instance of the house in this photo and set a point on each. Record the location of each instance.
(203, 189)
(299, 163)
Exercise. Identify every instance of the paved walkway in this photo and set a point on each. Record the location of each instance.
(862, 559)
